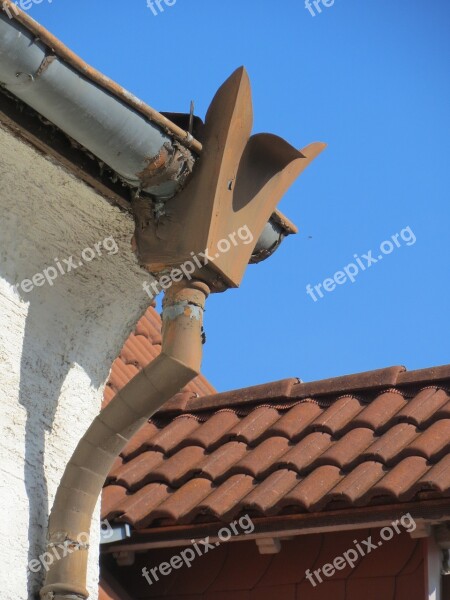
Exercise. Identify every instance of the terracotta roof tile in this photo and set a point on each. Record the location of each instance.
(277, 390)
(140, 508)
(295, 421)
(224, 500)
(338, 417)
(263, 458)
(254, 425)
(139, 442)
(174, 435)
(381, 410)
(113, 501)
(302, 455)
(214, 430)
(311, 493)
(182, 502)
(217, 465)
(299, 452)
(443, 412)
(389, 446)
(357, 483)
(179, 467)
(423, 406)
(271, 491)
(346, 451)
(397, 483)
(437, 478)
(433, 443)
(138, 472)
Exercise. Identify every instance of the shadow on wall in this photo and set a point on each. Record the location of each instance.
(71, 330)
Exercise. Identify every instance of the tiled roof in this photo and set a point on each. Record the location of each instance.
(374, 438)
(143, 345)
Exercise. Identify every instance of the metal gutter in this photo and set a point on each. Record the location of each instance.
(143, 147)
(82, 482)
(147, 150)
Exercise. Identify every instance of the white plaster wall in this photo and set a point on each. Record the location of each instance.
(57, 343)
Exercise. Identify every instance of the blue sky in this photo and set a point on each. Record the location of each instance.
(371, 79)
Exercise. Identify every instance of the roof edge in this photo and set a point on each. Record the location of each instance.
(426, 510)
(89, 72)
(289, 390)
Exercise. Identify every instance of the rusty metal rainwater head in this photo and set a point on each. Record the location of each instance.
(238, 181)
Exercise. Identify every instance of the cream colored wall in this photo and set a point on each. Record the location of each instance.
(57, 343)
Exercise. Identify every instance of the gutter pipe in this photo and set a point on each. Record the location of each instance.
(147, 150)
(143, 147)
(85, 474)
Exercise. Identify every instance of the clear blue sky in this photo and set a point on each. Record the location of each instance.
(369, 77)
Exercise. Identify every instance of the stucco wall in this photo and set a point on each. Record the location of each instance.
(57, 343)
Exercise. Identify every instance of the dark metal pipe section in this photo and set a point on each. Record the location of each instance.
(143, 147)
(85, 474)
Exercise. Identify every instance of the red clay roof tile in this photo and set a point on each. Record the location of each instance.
(214, 430)
(135, 474)
(437, 478)
(433, 443)
(217, 465)
(357, 483)
(271, 491)
(179, 467)
(173, 435)
(397, 483)
(311, 493)
(294, 422)
(423, 406)
(139, 441)
(302, 455)
(342, 443)
(183, 501)
(388, 447)
(251, 427)
(260, 461)
(379, 412)
(347, 450)
(141, 506)
(113, 501)
(224, 500)
(338, 417)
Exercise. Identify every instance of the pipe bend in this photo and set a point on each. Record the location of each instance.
(85, 474)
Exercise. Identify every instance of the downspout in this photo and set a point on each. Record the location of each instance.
(239, 181)
(85, 474)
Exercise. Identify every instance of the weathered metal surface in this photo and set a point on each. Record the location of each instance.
(237, 183)
(96, 113)
(82, 482)
(59, 49)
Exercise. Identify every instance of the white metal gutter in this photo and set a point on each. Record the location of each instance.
(116, 127)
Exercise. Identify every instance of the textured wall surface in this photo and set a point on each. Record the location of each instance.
(57, 342)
